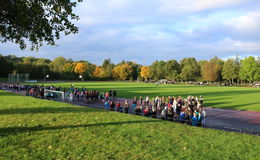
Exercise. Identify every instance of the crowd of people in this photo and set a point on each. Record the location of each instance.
(71, 94)
(187, 110)
(256, 84)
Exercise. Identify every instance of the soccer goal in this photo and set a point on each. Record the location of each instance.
(52, 94)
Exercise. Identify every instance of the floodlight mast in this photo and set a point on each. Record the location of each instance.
(47, 76)
(81, 77)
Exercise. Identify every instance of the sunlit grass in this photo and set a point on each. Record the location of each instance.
(41, 129)
(243, 98)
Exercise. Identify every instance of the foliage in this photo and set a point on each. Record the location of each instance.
(68, 69)
(219, 63)
(190, 69)
(248, 69)
(122, 72)
(210, 71)
(157, 70)
(145, 72)
(80, 68)
(97, 72)
(36, 21)
(5, 66)
(257, 74)
(172, 69)
(107, 68)
(230, 70)
(57, 64)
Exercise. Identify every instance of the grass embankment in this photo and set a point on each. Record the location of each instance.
(41, 129)
(243, 98)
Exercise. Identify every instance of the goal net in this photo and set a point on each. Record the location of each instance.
(52, 94)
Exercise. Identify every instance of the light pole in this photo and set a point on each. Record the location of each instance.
(81, 77)
(47, 76)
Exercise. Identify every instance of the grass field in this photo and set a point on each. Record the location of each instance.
(243, 98)
(40, 129)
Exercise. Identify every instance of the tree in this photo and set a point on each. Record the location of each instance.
(57, 64)
(190, 69)
(80, 68)
(97, 72)
(210, 71)
(123, 72)
(136, 70)
(68, 70)
(145, 72)
(90, 69)
(157, 70)
(107, 68)
(257, 74)
(248, 69)
(172, 70)
(220, 64)
(36, 21)
(5, 66)
(230, 70)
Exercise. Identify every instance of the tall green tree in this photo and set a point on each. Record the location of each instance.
(36, 21)
(248, 69)
(5, 66)
(68, 70)
(157, 70)
(107, 69)
(230, 70)
(220, 63)
(190, 70)
(257, 74)
(57, 64)
(172, 69)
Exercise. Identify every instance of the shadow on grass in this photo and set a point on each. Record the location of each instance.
(15, 130)
(226, 94)
(5, 93)
(240, 105)
(47, 110)
(228, 105)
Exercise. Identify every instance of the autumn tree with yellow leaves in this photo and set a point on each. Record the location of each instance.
(80, 68)
(210, 71)
(123, 72)
(145, 72)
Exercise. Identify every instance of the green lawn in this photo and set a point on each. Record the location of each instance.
(40, 129)
(243, 98)
(2, 79)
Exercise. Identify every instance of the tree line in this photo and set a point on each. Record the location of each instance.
(188, 69)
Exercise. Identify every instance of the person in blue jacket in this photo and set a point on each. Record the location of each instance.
(106, 105)
(133, 106)
(194, 120)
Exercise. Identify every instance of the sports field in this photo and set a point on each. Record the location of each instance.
(242, 98)
(40, 129)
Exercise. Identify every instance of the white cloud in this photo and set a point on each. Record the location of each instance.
(191, 6)
(246, 26)
(146, 30)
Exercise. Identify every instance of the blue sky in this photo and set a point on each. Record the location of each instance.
(147, 30)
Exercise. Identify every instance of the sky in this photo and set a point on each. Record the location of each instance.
(147, 30)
